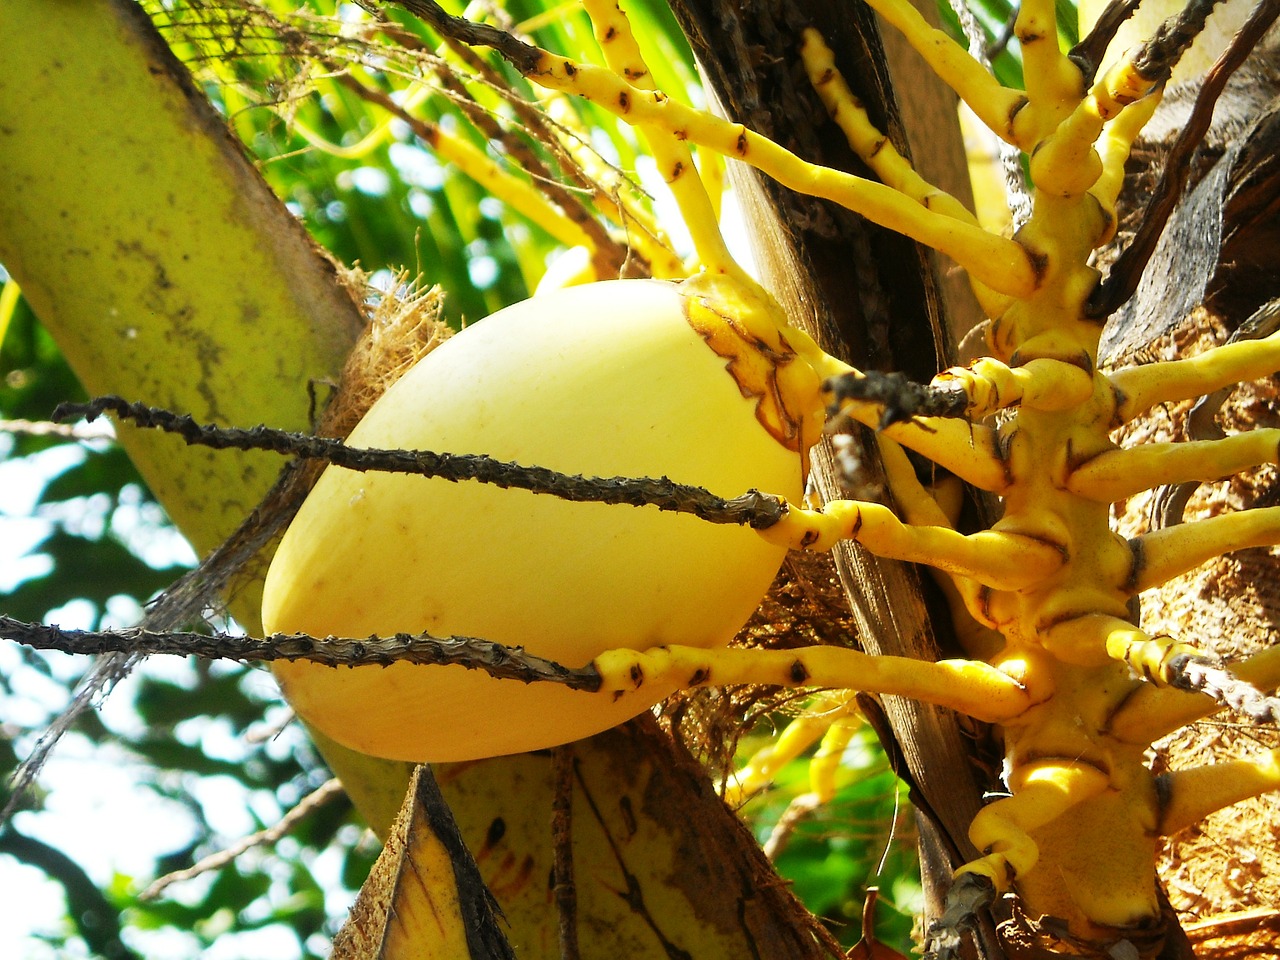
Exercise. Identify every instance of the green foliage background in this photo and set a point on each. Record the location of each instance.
(206, 746)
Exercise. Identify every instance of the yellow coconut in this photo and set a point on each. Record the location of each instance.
(608, 379)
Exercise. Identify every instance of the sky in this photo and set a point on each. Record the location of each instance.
(99, 809)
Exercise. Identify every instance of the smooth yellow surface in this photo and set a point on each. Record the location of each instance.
(155, 254)
(606, 380)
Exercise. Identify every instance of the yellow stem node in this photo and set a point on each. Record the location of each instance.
(1195, 793)
(1041, 384)
(1141, 388)
(975, 689)
(1005, 561)
(1149, 657)
(999, 263)
(1118, 474)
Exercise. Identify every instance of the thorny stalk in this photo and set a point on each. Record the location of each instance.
(1126, 271)
(1088, 53)
(507, 663)
(753, 508)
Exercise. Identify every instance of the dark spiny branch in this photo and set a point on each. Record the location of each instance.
(1161, 53)
(523, 56)
(1088, 53)
(1201, 675)
(901, 398)
(1126, 272)
(506, 663)
(752, 508)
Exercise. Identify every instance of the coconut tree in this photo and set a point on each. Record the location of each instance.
(233, 327)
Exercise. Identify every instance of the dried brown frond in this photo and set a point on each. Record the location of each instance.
(403, 326)
(282, 60)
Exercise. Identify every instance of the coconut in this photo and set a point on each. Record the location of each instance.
(607, 379)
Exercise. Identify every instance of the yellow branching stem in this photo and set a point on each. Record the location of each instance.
(1114, 147)
(970, 451)
(1066, 606)
(674, 159)
(965, 596)
(1042, 792)
(1118, 474)
(830, 717)
(1004, 561)
(826, 761)
(1094, 638)
(1054, 84)
(873, 147)
(1143, 387)
(974, 689)
(1001, 109)
(1152, 712)
(913, 501)
(1195, 793)
(1173, 551)
(1066, 164)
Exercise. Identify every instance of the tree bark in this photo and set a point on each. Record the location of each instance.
(870, 297)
